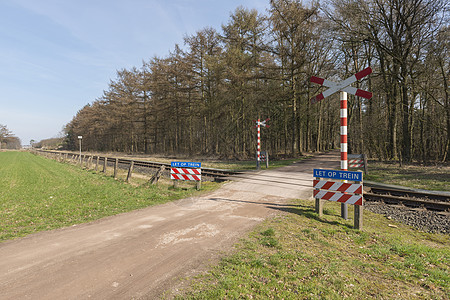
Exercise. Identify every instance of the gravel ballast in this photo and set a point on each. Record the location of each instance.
(421, 219)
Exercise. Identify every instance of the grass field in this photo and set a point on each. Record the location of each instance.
(419, 177)
(299, 256)
(39, 194)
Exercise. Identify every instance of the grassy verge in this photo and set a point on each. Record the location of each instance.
(420, 177)
(39, 194)
(299, 256)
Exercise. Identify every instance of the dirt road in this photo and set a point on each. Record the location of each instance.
(144, 253)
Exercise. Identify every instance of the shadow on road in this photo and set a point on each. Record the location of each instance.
(298, 209)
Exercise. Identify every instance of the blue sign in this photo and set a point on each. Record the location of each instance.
(340, 175)
(179, 164)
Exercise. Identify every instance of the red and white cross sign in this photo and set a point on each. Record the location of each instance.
(258, 149)
(342, 86)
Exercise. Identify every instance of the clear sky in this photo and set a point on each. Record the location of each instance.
(58, 55)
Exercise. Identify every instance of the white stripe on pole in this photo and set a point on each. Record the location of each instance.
(259, 142)
(344, 166)
(343, 98)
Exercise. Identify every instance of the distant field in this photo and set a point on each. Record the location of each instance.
(39, 194)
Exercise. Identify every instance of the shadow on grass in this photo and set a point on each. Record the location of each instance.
(308, 212)
(298, 209)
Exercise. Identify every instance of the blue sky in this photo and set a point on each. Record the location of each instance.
(58, 55)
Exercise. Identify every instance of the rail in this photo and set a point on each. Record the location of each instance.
(389, 194)
(217, 174)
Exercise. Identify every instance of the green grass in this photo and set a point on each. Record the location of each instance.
(300, 256)
(420, 177)
(39, 194)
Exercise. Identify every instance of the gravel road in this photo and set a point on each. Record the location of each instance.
(145, 253)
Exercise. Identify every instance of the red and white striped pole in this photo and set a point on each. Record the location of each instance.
(258, 151)
(344, 166)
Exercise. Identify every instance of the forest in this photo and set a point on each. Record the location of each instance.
(203, 97)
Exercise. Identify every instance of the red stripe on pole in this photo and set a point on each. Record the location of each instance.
(364, 94)
(343, 138)
(343, 156)
(343, 121)
(363, 73)
(343, 104)
(318, 80)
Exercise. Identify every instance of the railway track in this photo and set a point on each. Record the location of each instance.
(430, 200)
(217, 174)
(388, 194)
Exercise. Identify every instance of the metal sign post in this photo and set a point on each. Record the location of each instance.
(258, 149)
(344, 87)
(186, 171)
(338, 191)
(344, 147)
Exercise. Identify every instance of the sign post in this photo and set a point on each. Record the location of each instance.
(344, 87)
(186, 171)
(343, 192)
(258, 149)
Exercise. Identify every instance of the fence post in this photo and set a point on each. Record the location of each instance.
(116, 164)
(96, 163)
(105, 161)
(158, 174)
(130, 171)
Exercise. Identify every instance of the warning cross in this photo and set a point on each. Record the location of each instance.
(258, 125)
(262, 123)
(342, 86)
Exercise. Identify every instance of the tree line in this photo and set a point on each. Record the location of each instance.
(204, 96)
(7, 139)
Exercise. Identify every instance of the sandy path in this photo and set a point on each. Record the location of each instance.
(144, 253)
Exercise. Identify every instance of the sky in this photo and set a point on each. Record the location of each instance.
(56, 56)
